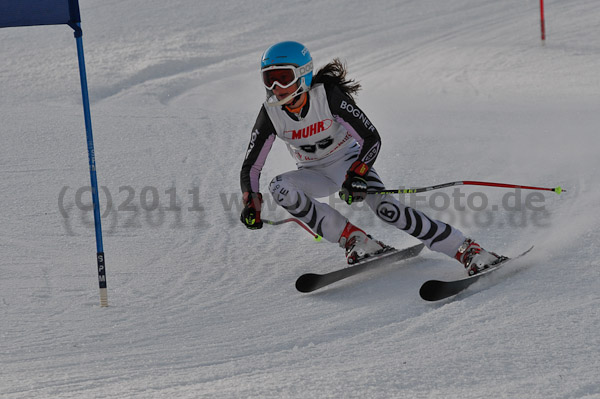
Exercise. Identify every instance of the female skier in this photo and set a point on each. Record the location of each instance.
(335, 146)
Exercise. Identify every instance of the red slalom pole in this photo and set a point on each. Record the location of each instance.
(294, 220)
(542, 20)
(557, 190)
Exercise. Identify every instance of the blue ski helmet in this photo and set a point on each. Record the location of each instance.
(284, 54)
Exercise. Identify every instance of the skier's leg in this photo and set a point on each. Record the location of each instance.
(295, 191)
(436, 235)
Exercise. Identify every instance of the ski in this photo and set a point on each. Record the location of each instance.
(435, 290)
(311, 281)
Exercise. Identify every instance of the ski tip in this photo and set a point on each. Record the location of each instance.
(307, 282)
(430, 291)
(530, 248)
(417, 248)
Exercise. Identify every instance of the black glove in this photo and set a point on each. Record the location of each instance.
(354, 188)
(251, 212)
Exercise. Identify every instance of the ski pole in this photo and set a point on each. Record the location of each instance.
(557, 190)
(305, 227)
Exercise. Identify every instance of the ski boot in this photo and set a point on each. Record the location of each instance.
(359, 245)
(476, 259)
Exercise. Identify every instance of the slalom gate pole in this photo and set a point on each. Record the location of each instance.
(557, 190)
(294, 220)
(92, 161)
(542, 21)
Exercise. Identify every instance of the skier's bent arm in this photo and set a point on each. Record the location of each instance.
(356, 122)
(261, 140)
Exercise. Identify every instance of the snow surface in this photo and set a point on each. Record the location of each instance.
(201, 307)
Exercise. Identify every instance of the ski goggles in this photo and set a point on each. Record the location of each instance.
(283, 75)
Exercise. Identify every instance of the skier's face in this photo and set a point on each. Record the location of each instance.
(282, 93)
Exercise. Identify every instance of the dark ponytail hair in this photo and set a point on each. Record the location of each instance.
(334, 74)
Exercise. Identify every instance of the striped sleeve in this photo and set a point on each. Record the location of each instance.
(261, 140)
(347, 113)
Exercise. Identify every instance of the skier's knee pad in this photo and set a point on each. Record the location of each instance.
(280, 189)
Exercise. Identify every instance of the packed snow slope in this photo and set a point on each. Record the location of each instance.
(201, 307)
